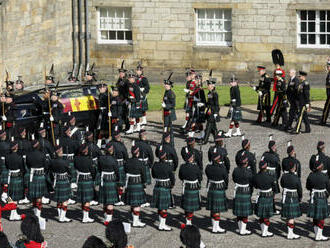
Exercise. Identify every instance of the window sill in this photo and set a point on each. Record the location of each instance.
(219, 49)
(114, 47)
(311, 50)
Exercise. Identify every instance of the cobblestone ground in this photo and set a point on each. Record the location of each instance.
(74, 234)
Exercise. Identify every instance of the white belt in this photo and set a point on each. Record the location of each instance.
(271, 168)
(316, 191)
(324, 171)
(287, 172)
(104, 173)
(285, 191)
(69, 155)
(169, 161)
(143, 159)
(56, 175)
(45, 113)
(12, 172)
(162, 180)
(215, 182)
(103, 108)
(33, 170)
(3, 158)
(94, 159)
(185, 182)
(262, 191)
(237, 185)
(120, 159)
(73, 131)
(128, 175)
(82, 174)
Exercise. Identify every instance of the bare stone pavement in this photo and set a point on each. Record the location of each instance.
(75, 233)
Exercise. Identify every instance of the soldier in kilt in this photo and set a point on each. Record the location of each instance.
(264, 208)
(121, 155)
(235, 108)
(252, 162)
(198, 155)
(322, 157)
(60, 171)
(85, 175)
(219, 145)
(217, 184)
(291, 158)
(292, 194)
(318, 184)
(191, 177)
(36, 163)
(4, 151)
(274, 167)
(135, 183)
(108, 195)
(242, 177)
(165, 180)
(16, 169)
(143, 83)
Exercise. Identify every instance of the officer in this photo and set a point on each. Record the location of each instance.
(281, 110)
(326, 108)
(292, 92)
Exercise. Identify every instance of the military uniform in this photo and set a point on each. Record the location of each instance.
(274, 168)
(134, 98)
(198, 155)
(171, 158)
(264, 97)
(326, 108)
(121, 155)
(292, 94)
(286, 165)
(252, 162)
(324, 159)
(224, 155)
(146, 157)
(169, 114)
(143, 83)
(4, 151)
(281, 110)
(122, 85)
(304, 104)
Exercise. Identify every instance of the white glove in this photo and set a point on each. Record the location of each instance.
(4, 118)
(200, 104)
(231, 109)
(163, 105)
(215, 116)
(186, 90)
(254, 88)
(109, 114)
(307, 106)
(141, 89)
(51, 118)
(260, 93)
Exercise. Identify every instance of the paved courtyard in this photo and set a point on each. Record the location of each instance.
(74, 234)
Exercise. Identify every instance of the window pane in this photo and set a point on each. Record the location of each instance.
(228, 14)
(103, 12)
(328, 27)
(328, 39)
(128, 35)
(209, 14)
(111, 12)
(303, 15)
(322, 27)
(228, 26)
(322, 39)
(120, 35)
(311, 15)
(218, 14)
(322, 15)
(104, 35)
(228, 37)
(303, 39)
(201, 13)
(328, 15)
(311, 26)
(112, 35)
(303, 27)
(311, 39)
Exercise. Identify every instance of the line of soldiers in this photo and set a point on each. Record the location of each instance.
(72, 169)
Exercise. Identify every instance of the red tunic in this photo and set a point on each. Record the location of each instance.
(275, 78)
(7, 207)
(33, 244)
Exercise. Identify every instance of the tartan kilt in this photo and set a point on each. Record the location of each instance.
(216, 201)
(108, 194)
(161, 198)
(291, 208)
(136, 110)
(135, 195)
(264, 208)
(122, 176)
(4, 175)
(73, 172)
(242, 205)
(319, 209)
(85, 191)
(37, 188)
(97, 180)
(237, 114)
(148, 174)
(62, 190)
(16, 188)
(26, 179)
(145, 105)
(190, 201)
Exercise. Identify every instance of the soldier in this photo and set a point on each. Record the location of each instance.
(108, 195)
(199, 102)
(291, 159)
(304, 103)
(56, 112)
(273, 167)
(325, 160)
(191, 177)
(263, 90)
(50, 78)
(278, 71)
(85, 175)
(162, 197)
(16, 169)
(318, 184)
(116, 108)
(121, 155)
(221, 149)
(212, 111)
(186, 90)
(292, 92)
(46, 147)
(281, 99)
(60, 171)
(252, 162)
(4, 151)
(168, 105)
(143, 83)
(235, 105)
(134, 189)
(326, 108)
(75, 132)
(292, 195)
(198, 155)
(242, 177)
(36, 163)
(105, 113)
(217, 184)
(122, 85)
(90, 75)
(134, 107)
(264, 183)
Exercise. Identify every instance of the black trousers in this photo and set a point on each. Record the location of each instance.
(293, 112)
(211, 127)
(303, 117)
(326, 109)
(168, 128)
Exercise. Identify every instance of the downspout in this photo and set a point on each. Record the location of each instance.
(74, 34)
(80, 34)
(86, 35)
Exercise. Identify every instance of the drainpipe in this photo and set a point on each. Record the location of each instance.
(80, 35)
(86, 35)
(74, 23)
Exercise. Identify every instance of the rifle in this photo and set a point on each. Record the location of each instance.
(50, 110)
(109, 109)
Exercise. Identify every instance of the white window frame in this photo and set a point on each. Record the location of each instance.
(207, 43)
(317, 31)
(102, 41)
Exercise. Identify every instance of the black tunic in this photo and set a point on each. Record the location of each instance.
(134, 166)
(242, 175)
(286, 165)
(59, 166)
(120, 151)
(145, 151)
(217, 172)
(190, 172)
(171, 154)
(303, 93)
(36, 159)
(251, 160)
(197, 155)
(224, 155)
(84, 164)
(317, 180)
(4, 148)
(273, 161)
(69, 145)
(108, 163)
(263, 181)
(160, 170)
(292, 181)
(46, 147)
(24, 146)
(14, 161)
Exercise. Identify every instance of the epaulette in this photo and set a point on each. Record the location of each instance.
(306, 83)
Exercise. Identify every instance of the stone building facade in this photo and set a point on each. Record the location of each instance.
(164, 35)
